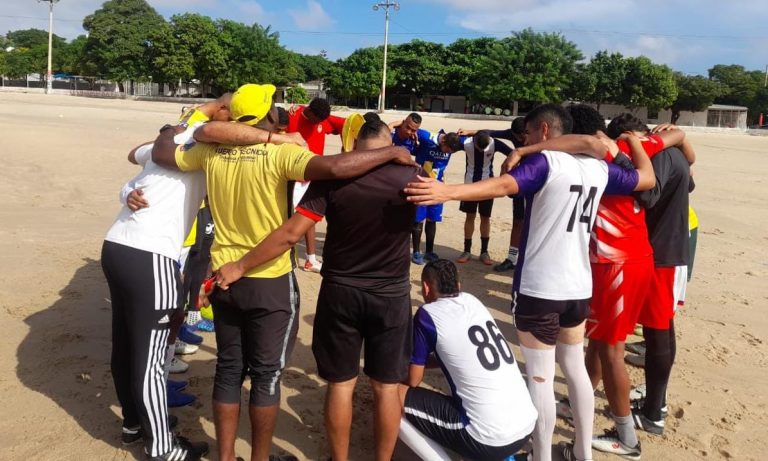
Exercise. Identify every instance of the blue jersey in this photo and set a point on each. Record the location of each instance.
(410, 143)
(430, 156)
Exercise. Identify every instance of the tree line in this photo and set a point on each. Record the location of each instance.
(127, 40)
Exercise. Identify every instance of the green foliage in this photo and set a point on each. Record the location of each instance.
(601, 80)
(29, 38)
(171, 60)
(19, 63)
(743, 88)
(198, 35)
(462, 63)
(694, 93)
(359, 74)
(313, 67)
(648, 85)
(296, 95)
(418, 67)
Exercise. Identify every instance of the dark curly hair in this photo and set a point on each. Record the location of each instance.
(443, 275)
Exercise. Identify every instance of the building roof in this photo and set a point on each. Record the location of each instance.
(726, 107)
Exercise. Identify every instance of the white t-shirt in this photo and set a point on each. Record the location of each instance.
(479, 366)
(174, 198)
(562, 193)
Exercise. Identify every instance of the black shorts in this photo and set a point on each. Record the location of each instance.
(440, 418)
(518, 208)
(345, 318)
(471, 207)
(543, 318)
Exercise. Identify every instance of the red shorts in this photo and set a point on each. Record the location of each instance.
(618, 295)
(667, 289)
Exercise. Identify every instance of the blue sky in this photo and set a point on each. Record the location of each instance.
(690, 36)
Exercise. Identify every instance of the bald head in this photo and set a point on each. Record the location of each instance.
(373, 134)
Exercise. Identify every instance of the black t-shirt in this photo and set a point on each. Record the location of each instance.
(367, 245)
(666, 206)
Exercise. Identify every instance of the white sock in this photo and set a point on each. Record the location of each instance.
(580, 394)
(540, 371)
(424, 447)
(312, 259)
(512, 256)
(169, 352)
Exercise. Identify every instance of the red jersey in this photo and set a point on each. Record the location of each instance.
(620, 234)
(314, 134)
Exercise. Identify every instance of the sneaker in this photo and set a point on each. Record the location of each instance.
(183, 450)
(182, 348)
(309, 266)
(187, 334)
(635, 360)
(178, 366)
(568, 453)
(563, 409)
(464, 257)
(506, 265)
(193, 317)
(431, 256)
(638, 330)
(636, 348)
(133, 435)
(524, 456)
(485, 258)
(178, 398)
(640, 402)
(283, 458)
(610, 442)
(176, 385)
(418, 258)
(205, 325)
(637, 393)
(206, 312)
(650, 426)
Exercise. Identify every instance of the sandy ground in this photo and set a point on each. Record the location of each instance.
(64, 161)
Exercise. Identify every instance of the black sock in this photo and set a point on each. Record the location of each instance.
(659, 357)
(416, 236)
(484, 244)
(467, 245)
(430, 229)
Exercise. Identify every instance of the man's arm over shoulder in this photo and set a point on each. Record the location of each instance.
(354, 164)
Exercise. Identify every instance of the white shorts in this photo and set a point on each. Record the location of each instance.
(299, 189)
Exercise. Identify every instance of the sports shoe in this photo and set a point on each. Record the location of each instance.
(283, 458)
(431, 256)
(568, 453)
(183, 450)
(637, 393)
(178, 366)
(636, 348)
(464, 257)
(635, 360)
(193, 317)
(309, 266)
(524, 456)
(640, 402)
(417, 258)
(485, 258)
(177, 385)
(638, 330)
(563, 409)
(650, 426)
(205, 325)
(133, 435)
(506, 265)
(187, 334)
(182, 348)
(178, 398)
(610, 442)
(206, 312)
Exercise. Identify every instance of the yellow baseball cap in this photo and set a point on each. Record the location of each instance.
(251, 102)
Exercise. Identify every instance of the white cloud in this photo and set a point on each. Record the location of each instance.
(67, 16)
(311, 18)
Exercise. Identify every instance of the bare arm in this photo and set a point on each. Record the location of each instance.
(571, 143)
(415, 375)
(646, 177)
(132, 153)
(350, 166)
(164, 150)
(238, 134)
(278, 242)
(687, 148)
(429, 191)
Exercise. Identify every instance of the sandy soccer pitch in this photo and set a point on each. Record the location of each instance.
(64, 162)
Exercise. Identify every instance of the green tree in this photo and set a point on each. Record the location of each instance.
(28, 38)
(359, 75)
(172, 61)
(462, 63)
(314, 67)
(19, 63)
(418, 67)
(198, 35)
(119, 35)
(744, 88)
(694, 93)
(528, 66)
(602, 79)
(74, 60)
(296, 95)
(648, 85)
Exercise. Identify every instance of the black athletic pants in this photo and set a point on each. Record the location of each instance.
(144, 289)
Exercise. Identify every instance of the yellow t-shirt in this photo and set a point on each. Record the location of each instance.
(693, 220)
(248, 196)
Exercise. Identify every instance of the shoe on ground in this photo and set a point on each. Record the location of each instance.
(485, 258)
(638, 330)
(418, 258)
(563, 409)
(133, 435)
(506, 265)
(205, 325)
(636, 348)
(177, 385)
(179, 399)
(431, 256)
(193, 316)
(568, 453)
(283, 458)
(637, 393)
(178, 366)
(635, 360)
(183, 450)
(464, 257)
(309, 266)
(182, 348)
(649, 426)
(187, 334)
(524, 456)
(610, 442)
(640, 402)
(206, 313)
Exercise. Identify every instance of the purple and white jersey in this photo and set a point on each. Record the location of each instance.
(562, 192)
(478, 363)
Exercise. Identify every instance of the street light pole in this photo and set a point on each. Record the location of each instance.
(49, 79)
(386, 4)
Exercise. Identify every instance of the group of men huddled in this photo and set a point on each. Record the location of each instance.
(599, 244)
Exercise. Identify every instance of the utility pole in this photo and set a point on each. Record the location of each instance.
(386, 4)
(49, 79)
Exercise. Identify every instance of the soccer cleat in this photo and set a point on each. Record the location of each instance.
(650, 426)
(638, 330)
(563, 409)
(485, 258)
(636, 348)
(637, 393)
(206, 312)
(466, 256)
(610, 442)
(431, 256)
(183, 450)
(177, 385)
(417, 258)
(640, 402)
(133, 435)
(506, 265)
(635, 360)
(313, 267)
(205, 325)
(182, 348)
(193, 317)
(568, 453)
(178, 366)
(178, 398)
(187, 334)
